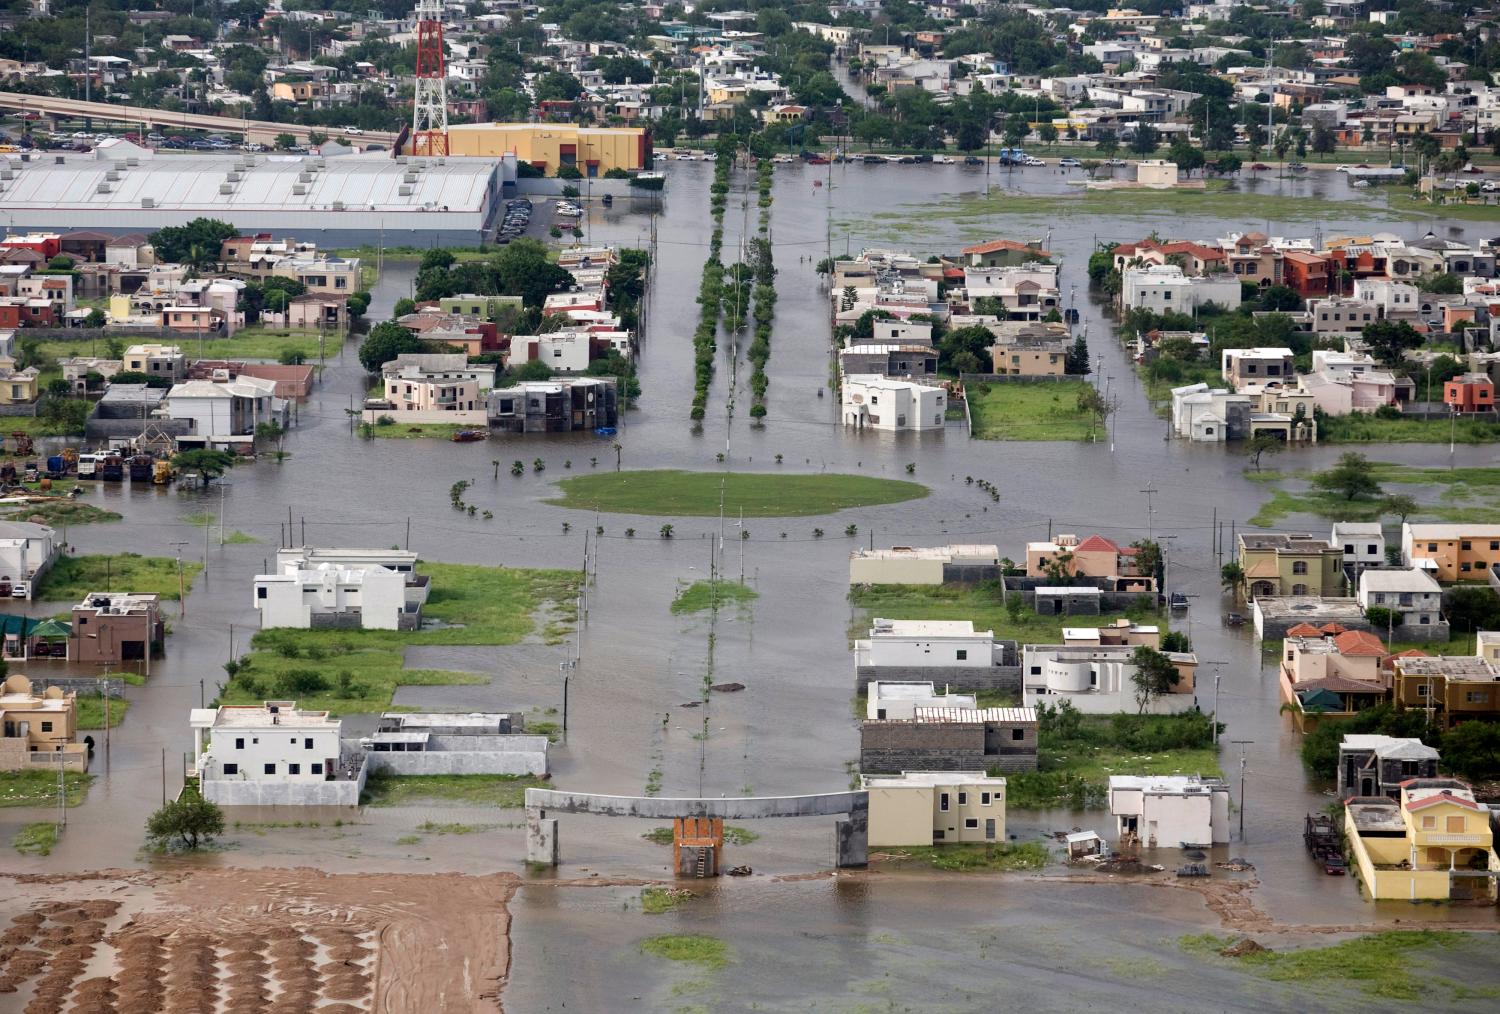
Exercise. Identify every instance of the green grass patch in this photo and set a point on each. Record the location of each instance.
(247, 343)
(39, 788)
(1386, 965)
(91, 711)
(357, 671)
(433, 827)
(1077, 754)
(504, 791)
(701, 596)
(1365, 428)
(659, 836)
(705, 951)
(1000, 857)
(409, 839)
(62, 511)
(36, 839)
(73, 577)
(980, 603)
(656, 900)
(417, 431)
(739, 835)
(675, 493)
(1026, 411)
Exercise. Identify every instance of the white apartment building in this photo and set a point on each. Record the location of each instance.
(1391, 298)
(1163, 288)
(1169, 811)
(1257, 365)
(560, 351)
(900, 699)
(1099, 679)
(271, 754)
(869, 401)
(327, 595)
(1413, 594)
(947, 643)
(225, 414)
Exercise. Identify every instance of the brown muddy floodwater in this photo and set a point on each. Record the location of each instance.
(878, 941)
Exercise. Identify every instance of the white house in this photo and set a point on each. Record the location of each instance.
(947, 643)
(1027, 292)
(900, 699)
(225, 414)
(1413, 594)
(1257, 365)
(1209, 415)
(1363, 542)
(902, 332)
(1164, 288)
(1170, 810)
(1099, 679)
(560, 351)
(868, 401)
(26, 551)
(1390, 297)
(327, 595)
(272, 754)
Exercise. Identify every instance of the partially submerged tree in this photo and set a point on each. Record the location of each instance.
(208, 463)
(189, 822)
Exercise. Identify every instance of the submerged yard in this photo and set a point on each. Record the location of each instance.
(1030, 411)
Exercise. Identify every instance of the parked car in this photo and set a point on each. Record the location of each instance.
(1069, 163)
(1116, 163)
(973, 160)
(1490, 186)
(200, 145)
(352, 131)
(943, 159)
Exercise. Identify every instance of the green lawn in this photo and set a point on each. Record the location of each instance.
(36, 839)
(61, 511)
(704, 951)
(969, 857)
(503, 791)
(356, 671)
(1028, 411)
(674, 493)
(73, 577)
(247, 343)
(980, 603)
(701, 596)
(91, 711)
(39, 788)
(1461, 494)
(1364, 428)
(417, 431)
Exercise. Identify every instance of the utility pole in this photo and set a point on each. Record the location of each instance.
(1242, 743)
(181, 585)
(1150, 492)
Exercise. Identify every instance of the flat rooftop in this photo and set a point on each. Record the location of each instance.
(929, 552)
(926, 628)
(1376, 815)
(1310, 607)
(929, 778)
(1298, 543)
(259, 716)
(1464, 667)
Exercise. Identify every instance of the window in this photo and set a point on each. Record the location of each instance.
(937, 834)
(972, 823)
(46, 726)
(963, 654)
(984, 799)
(1299, 589)
(294, 769)
(1017, 735)
(1299, 567)
(1455, 824)
(1465, 546)
(1432, 547)
(963, 799)
(1036, 670)
(239, 743)
(231, 769)
(1429, 822)
(270, 769)
(260, 593)
(1372, 550)
(1421, 689)
(1470, 697)
(1348, 549)
(307, 743)
(942, 801)
(316, 769)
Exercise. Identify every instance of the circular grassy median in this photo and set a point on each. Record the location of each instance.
(674, 493)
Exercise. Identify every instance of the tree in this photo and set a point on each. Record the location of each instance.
(316, 138)
(1323, 140)
(436, 258)
(1232, 577)
(285, 141)
(1077, 363)
(1401, 505)
(1060, 568)
(1145, 140)
(1108, 144)
(188, 821)
(1353, 478)
(96, 318)
(1388, 340)
(1185, 155)
(1441, 283)
(1262, 443)
(403, 306)
(1047, 134)
(965, 349)
(1176, 640)
(1472, 749)
(522, 269)
(197, 243)
(533, 369)
(1148, 558)
(209, 464)
(1154, 675)
(385, 342)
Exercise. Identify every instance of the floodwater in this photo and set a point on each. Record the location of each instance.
(868, 943)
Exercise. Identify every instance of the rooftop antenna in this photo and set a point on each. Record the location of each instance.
(429, 113)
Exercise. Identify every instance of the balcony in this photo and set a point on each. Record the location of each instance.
(1427, 838)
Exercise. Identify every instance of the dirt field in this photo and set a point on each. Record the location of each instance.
(252, 940)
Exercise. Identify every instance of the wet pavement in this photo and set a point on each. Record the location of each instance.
(792, 730)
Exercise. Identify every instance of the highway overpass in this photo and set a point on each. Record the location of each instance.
(165, 120)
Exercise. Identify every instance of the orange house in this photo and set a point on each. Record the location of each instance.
(1472, 392)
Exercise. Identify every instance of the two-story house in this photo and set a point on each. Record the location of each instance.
(1278, 564)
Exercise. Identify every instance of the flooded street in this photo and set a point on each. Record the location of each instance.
(863, 942)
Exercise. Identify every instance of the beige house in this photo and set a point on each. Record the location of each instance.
(1048, 360)
(1277, 564)
(922, 808)
(1095, 556)
(156, 361)
(917, 564)
(37, 730)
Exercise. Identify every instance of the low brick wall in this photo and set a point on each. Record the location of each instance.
(995, 677)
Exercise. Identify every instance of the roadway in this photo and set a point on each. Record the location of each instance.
(263, 131)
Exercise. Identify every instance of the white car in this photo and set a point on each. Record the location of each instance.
(354, 131)
(1069, 163)
(1490, 186)
(1342, 169)
(685, 157)
(82, 135)
(1035, 161)
(942, 159)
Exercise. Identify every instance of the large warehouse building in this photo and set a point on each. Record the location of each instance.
(334, 199)
(593, 151)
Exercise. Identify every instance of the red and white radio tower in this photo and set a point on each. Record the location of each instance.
(429, 114)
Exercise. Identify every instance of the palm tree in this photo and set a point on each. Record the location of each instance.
(1232, 577)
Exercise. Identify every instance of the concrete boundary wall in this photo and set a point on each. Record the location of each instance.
(232, 792)
(958, 678)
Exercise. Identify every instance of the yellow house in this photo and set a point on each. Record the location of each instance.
(935, 808)
(1030, 360)
(37, 730)
(17, 387)
(1278, 564)
(593, 151)
(298, 91)
(1434, 844)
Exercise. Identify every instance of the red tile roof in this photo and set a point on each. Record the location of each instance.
(1333, 628)
(997, 245)
(1096, 544)
(1441, 797)
(1304, 630)
(1359, 642)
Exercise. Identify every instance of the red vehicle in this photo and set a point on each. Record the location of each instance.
(1259, 167)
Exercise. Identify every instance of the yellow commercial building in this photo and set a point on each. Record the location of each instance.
(593, 151)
